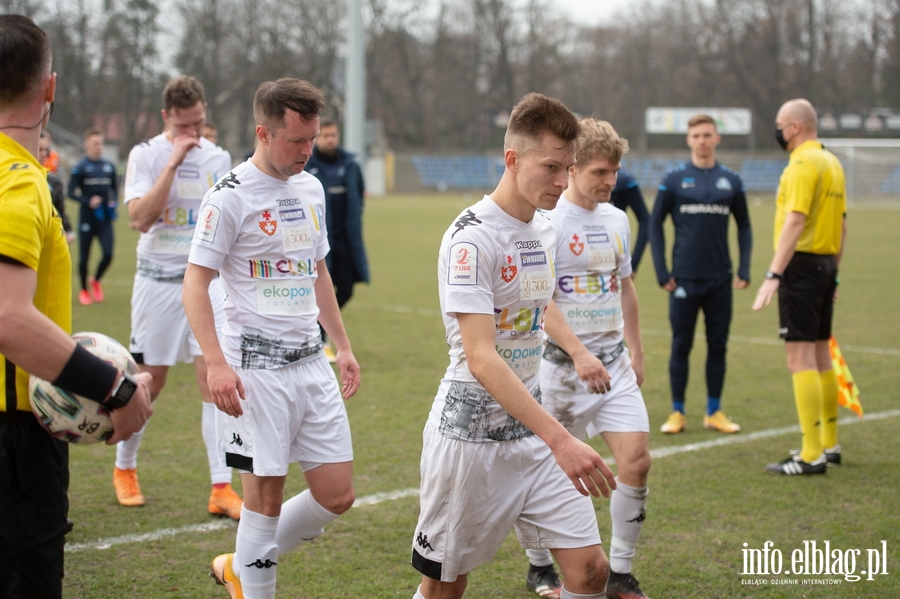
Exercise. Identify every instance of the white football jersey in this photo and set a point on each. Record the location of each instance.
(264, 236)
(492, 263)
(591, 259)
(167, 244)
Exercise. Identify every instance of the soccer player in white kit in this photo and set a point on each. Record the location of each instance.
(492, 458)
(166, 179)
(589, 381)
(263, 229)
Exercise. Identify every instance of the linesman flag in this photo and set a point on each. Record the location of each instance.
(848, 392)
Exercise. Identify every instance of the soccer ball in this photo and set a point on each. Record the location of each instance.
(71, 417)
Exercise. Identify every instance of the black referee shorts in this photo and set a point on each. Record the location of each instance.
(806, 297)
(34, 471)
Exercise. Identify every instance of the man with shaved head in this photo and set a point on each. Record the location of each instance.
(810, 230)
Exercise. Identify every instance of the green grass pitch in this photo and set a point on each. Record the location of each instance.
(704, 504)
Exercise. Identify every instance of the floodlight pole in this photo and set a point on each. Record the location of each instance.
(355, 100)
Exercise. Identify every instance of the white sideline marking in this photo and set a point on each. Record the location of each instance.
(377, 498)
(883, 351)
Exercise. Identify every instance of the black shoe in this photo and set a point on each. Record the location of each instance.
(623, 586)
(832, 455)
(544, 581)
(69, 526)
(793, 465)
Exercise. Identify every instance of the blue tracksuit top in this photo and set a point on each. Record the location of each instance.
(90, 178)
(700, 201)
(627, 194)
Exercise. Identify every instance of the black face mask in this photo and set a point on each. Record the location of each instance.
(779, 137)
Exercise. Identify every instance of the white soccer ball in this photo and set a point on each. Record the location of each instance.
(71, 417)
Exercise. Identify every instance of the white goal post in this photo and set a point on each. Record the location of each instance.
(871, 166)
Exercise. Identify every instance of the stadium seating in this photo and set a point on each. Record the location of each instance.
(462, 172)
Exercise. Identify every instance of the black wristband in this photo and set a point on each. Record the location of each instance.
(87, 375)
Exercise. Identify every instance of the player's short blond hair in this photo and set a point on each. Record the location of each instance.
(598, 139)
(536, 114)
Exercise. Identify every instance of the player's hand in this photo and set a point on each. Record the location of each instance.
(740, 283)
(765, 294)
(592, 372)
(637, 365)
(130, 419)
(670, 285)
(585, 468)
(226, 388)
(70, 237)
(182, 144)
(95, 202)
(349, 369)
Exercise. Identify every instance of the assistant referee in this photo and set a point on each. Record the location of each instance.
(810, 231)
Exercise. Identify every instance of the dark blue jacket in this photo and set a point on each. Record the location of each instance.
(90, 178)
(700, 201)
(627, 194)
(342, 179)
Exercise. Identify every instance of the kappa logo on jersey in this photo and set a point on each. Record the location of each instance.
(422, 541)
(229, 181)
(508, 272)
(576, 245)
(466, 220)
(529, 245)
(267, 223)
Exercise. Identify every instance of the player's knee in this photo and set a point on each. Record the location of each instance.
(340, 503)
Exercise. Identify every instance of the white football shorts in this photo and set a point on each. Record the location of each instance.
(291, 414)
(160, 333)
(472, 494)
(586, 414)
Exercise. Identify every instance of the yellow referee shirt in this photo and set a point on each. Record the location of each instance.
(31, 232)
(813, 183)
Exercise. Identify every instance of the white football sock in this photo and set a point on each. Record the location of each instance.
(419, 594)
(126, 451)
(564, 594)
(256, 554)
(539, 557)
(217, 474)
(302, 519)
(626, 510)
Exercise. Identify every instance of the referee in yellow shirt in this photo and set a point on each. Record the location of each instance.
(810, 230)
(35, 318)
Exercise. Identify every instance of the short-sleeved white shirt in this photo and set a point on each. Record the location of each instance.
(492, 263)
(592, 257)
(165, 246)
(265, 237)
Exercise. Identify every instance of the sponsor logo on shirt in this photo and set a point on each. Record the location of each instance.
(598, 238)
(179, 217)
(687, 183)
(291, 215)
(267, 223)
(288, 202)
(268, 269)
(533, 259)
(524, 319)
(591, 283)
(704, 209)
